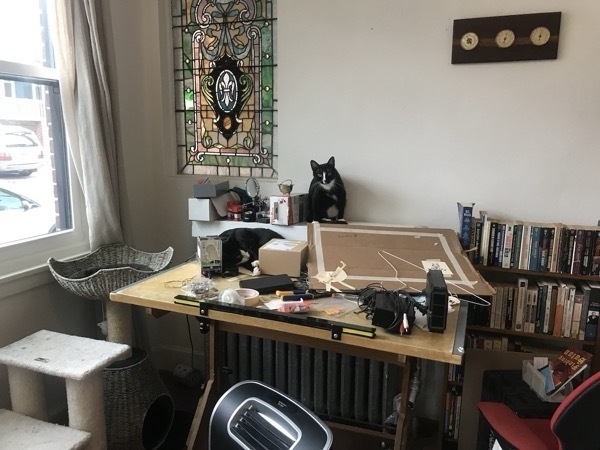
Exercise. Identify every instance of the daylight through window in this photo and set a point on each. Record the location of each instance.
(35, 198)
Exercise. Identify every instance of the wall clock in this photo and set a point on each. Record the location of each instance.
(506, 38)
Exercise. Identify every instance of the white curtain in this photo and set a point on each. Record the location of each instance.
(87, 111)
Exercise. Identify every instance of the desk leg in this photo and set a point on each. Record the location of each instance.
(404, 413)
(215, 387)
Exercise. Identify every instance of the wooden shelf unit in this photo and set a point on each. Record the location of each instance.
(496, 274)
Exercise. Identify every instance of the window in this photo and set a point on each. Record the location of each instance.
(38, 199)
(224, 83)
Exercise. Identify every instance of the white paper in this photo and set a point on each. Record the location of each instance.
(436, 264)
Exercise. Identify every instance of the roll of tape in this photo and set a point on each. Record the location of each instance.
(231, 296)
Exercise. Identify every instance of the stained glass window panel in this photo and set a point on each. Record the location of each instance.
(224, 87)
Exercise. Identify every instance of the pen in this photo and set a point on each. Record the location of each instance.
(295, 291)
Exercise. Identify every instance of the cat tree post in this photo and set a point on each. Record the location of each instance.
(118, 323)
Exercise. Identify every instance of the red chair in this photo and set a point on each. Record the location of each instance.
(572, 426)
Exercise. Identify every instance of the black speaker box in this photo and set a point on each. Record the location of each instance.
(268, 284)
(436, 294)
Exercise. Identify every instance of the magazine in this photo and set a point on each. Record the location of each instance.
(563, 369)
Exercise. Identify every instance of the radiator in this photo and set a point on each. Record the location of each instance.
(335, 386)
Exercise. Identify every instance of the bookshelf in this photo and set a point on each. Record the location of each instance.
(539, 343)
(513, 253)
(538, 340)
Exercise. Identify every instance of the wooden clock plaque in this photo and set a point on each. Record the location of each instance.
(506, 38)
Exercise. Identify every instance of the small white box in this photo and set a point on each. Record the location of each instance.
(536, 381)
(202, 209)
(287, 209)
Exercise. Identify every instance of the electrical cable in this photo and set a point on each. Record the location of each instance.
(187, 319)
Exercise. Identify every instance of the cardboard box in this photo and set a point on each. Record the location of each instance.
(202, 209)
(283, 256)
(348, 257)
(287, 209)
(208, 189)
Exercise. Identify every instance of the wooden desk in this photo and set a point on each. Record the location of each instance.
(152, 293)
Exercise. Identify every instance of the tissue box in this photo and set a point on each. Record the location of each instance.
(208, 190)
(537, 383)
(282, 256)
(202, 209)
(287, 209)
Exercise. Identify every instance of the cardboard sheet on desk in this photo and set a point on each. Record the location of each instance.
(363, 247)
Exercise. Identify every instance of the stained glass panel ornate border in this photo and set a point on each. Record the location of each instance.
(225, 102)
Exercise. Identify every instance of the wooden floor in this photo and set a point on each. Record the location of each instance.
(185, 400)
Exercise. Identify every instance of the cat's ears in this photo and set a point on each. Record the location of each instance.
(315, 164)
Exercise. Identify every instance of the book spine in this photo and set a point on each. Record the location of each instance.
(534, 248)
(510, 302)
(475, 254)
(499, 250)
(492, 243)
(588, 251)
(595, 269)
(585, 303)
(508, 243)
(553, 295)
(504, 309)
(485, 237)
(525, 240)
(546, 293)
(570, 250)
(568, 312)
(465, 213)
(560, 308)
(516, 251)
(552, 249)
(561, 257)
(577, 252)
(544, 249)
(540, 312)
(522, 284)
(593, 312)
(534, 318)
(576, 317)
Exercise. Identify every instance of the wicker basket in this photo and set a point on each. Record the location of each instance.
(106, 269)
(138, 407)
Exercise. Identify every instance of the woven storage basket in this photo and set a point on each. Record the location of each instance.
(106, 269)
(138, 408)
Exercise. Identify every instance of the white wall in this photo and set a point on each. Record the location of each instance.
(372, 84)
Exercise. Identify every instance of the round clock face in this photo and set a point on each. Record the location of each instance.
(469, 41)
(505, 38)
(540, 36)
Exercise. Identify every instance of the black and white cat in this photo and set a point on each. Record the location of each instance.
(327, 193)
(241, 245)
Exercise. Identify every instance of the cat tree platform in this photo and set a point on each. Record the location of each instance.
(78, 360)
(19, 431)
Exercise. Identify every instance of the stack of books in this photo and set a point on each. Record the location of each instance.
(543, 306)
(543, 247)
